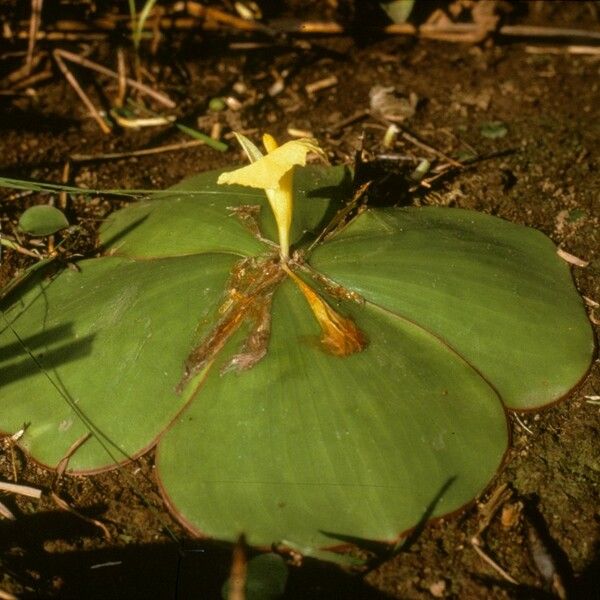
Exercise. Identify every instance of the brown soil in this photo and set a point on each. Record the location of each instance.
(548, 178)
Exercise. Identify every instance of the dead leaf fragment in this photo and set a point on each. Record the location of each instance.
(571, 258)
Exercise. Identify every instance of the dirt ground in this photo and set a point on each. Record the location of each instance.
(535, 115)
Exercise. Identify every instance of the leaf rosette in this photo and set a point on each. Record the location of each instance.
(332, 392)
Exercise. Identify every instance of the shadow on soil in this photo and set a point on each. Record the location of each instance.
(30, 554)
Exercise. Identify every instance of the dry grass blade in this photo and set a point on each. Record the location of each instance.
(413, 140)
(490, 561)
(64, 461)
(34, 25)
(6, 512)
(121, 77)
(142, 152)
(64, 506)
(88, 64)
(82, 95)
(23, 490)
(499, 497)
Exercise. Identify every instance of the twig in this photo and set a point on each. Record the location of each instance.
(572, 259)
(413, 140)
(322, 84)
(548, 32)
(24, 70)
(121, 77)
(34, 25)
(67, 508)
(60, 470)
(64, 461)
(143, 152)
(84, 62)
(220, 17)
(62, 196)
(6, 513)
(239, 571)
(4, 241)
(82, 95)
(210, 19)
(490, 561)
(520, 422)
(594, 50)
(499, 497)
(362, 114)
(32, 80)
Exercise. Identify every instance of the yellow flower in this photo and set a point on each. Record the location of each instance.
(274, 173)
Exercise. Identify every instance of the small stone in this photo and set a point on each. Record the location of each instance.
(438, 589)
(216, 104)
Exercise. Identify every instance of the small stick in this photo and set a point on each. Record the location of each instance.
(349, 120)
(82, 95)
(67, 508)
(23, 490)
(60, 470)
(122, 78)
(206, 12)
(18, 248)
(520, 422)
(562, 50)
(64, 461)
(547, 32)
(140, 122)
(239, 571)
(212, 20)
(499, 497)
(490, 561)
(143, 152)
(84, 62)
(413, 140)
(34, 24)
(322, 84)
(62, 36)
(32, 80)
(62, 196)
(6, 513)
(24, 70)
(572, 259)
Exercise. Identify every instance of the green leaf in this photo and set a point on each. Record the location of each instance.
(266, 578)
(198, 135)
(398, 10)
(113, 338)
(493, 130)
(252, 152)
(42, 220)
(309, 442)
(465, 314)
(496, 292)
(185, 223)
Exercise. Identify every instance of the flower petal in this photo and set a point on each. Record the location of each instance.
(266, 172)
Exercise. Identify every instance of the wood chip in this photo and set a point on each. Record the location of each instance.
(299, 133)
(322, 84)
(571, 258)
